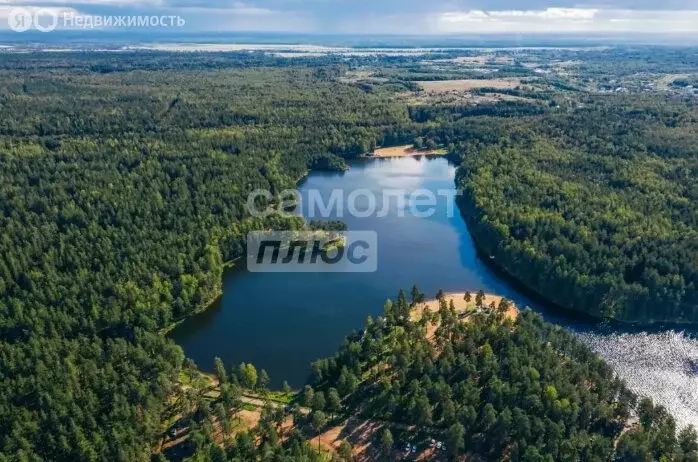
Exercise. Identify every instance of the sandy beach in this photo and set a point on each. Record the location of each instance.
(461, 305)
(405, 151)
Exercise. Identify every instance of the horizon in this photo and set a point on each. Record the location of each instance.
(346, 40)
(389, 18)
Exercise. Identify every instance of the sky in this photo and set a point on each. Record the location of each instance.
(403, 17)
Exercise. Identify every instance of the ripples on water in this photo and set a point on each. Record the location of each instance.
(662, 366)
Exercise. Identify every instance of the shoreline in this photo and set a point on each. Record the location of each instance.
(511, 279)
(501, 272)
(406, 150)
(203, 307)
(227, 266)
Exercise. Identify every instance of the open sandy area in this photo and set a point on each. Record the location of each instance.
(461, 307)
(404, 151)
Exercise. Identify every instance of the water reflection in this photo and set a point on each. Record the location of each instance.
(660, 365)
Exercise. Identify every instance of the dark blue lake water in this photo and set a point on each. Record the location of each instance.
(283, 321)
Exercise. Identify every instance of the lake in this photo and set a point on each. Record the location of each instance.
(282, 321)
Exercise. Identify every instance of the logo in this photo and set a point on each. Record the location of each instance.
(312, 251)
(20, 19)
(48, 19)
(52, 20)
(359, 203)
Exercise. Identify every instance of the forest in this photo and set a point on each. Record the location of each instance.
(122, 197)
(596, 208)
(123, 184)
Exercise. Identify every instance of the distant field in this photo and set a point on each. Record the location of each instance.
(478, 60)
(445, 86)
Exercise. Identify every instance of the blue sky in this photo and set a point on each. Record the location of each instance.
(405, 17)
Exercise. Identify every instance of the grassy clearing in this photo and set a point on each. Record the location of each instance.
(281, 397)
(248, 407)
(278, 397)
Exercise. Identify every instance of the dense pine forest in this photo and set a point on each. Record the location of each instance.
(122, 195)
(123, 184)
(495, 388)
(594, 208)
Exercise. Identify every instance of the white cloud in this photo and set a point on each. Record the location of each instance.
(6, 9)
(468, 16)
(548, 13)
(566, 20)
(493, 16)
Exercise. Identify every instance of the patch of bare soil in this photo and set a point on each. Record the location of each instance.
(361, 434)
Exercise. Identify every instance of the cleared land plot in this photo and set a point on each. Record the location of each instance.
(445, 86)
